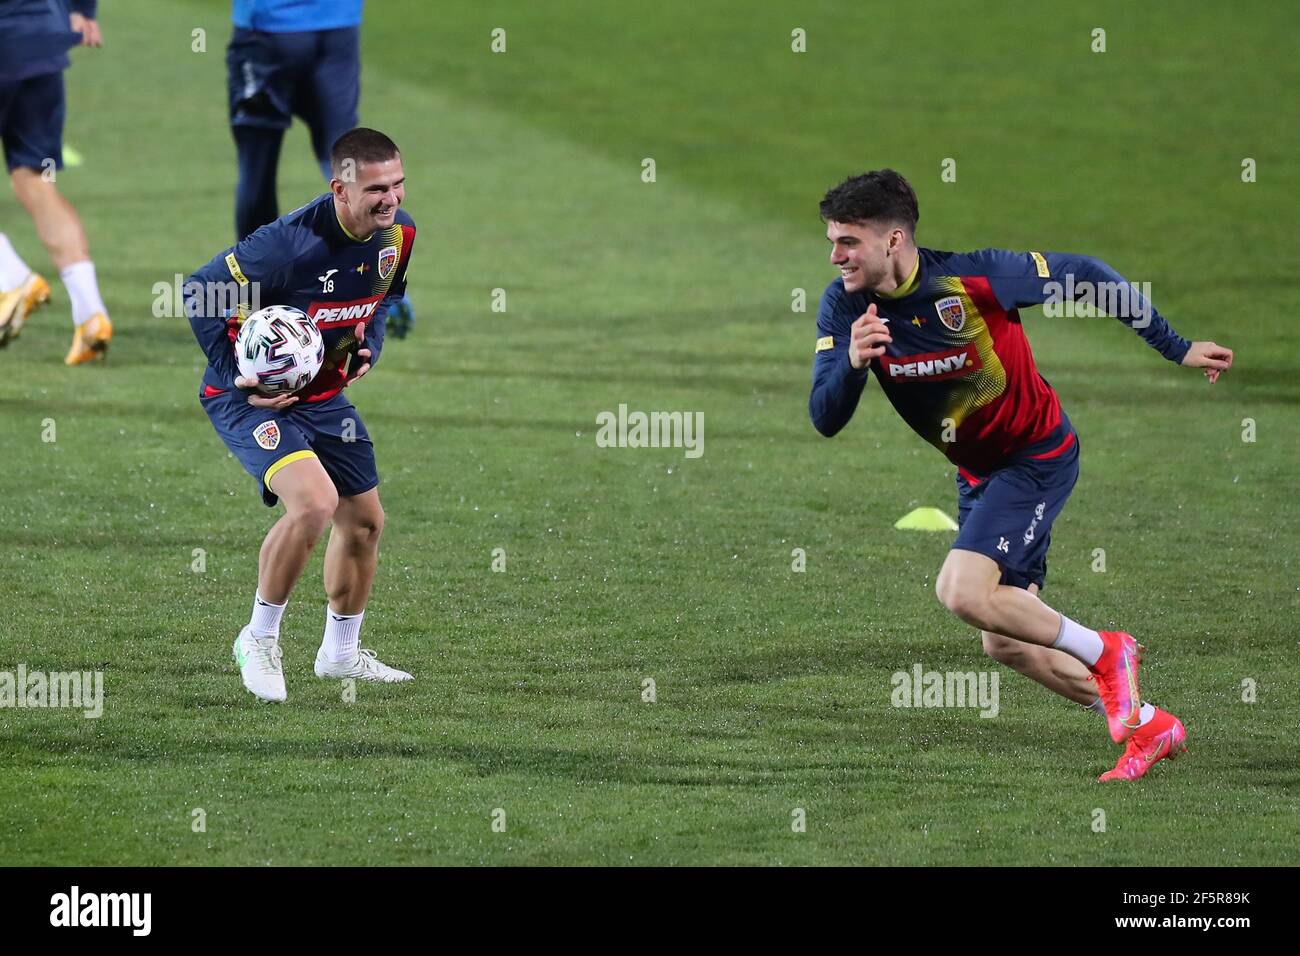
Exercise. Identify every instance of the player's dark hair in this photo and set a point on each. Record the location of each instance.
(361, 145)
(881, 195)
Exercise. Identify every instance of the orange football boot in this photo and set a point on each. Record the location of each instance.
(17, 304)
(90, 341)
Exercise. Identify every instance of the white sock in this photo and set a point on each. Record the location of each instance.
(13, 271)
(342, 636)
(83, 290)
(1079, 642)
(266, 617)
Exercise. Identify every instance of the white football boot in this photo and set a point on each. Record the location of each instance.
(365, 666)
(259, 665)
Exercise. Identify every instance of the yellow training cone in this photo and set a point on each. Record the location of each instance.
(925, 519)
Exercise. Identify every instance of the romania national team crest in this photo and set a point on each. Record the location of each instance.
(267, 435)
(387, 261)
(951, 312)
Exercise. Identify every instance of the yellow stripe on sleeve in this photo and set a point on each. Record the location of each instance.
(236, 273)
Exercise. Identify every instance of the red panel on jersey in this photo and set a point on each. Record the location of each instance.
(1026, 412)
(408, 240)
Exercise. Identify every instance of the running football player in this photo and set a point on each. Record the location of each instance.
(342, 259)
(940, 332)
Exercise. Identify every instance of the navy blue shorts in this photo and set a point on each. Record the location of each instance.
(31, 121)
(265, 441)
(316, 75)
(1008, 515)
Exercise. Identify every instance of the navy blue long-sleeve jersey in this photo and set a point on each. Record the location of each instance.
(959, 366)
(35, 36)
(307, 260)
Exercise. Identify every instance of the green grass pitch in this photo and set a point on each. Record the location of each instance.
(772, 686)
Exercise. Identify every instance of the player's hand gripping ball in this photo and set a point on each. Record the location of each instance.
(280, 348)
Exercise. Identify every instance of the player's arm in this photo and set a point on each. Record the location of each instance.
(1020, 279)
(375, 331)
(234, 283)
(845, 348)
(369, 341)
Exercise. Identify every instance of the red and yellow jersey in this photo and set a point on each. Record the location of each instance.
(959, 369)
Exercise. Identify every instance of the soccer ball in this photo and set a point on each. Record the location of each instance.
(281, 347)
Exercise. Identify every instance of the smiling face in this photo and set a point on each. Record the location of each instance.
(862, 252)
(369, 202)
